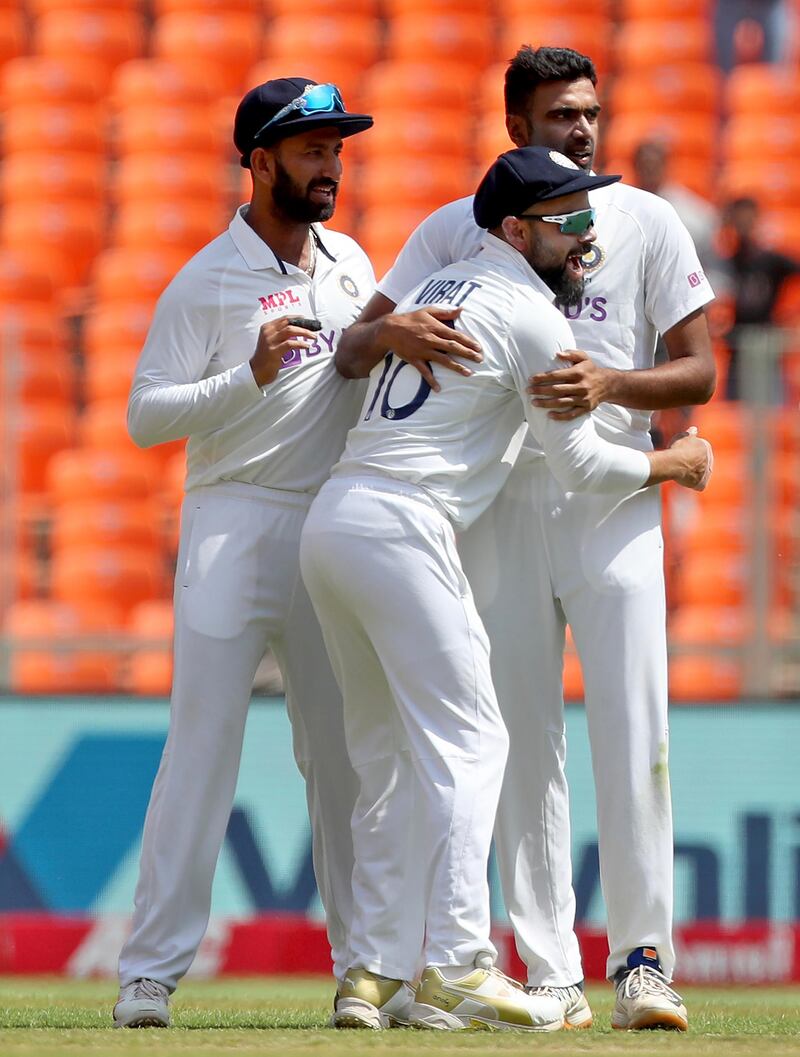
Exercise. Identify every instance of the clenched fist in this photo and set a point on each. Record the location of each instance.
(277, 339)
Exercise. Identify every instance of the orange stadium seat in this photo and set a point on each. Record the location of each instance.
(29, 78)
(415, 84)
(63, 126)
(99, 524)
(103, 428)
(693, 678)
(108, 36)
(109, 378)
(557, 9)
(316, 8)
(36, 176)
(39, 634)
(383, 232)
(763, 89)
(699, 625)
(156, 128)
(22, 279)
(150, 665)
(413, 8)
(44, 7)
(156, 82)
(205, 7)
(13, 38)
(490, 139)
(19, 576)
(100, 475)
(225, 44)
(125, 275)
(71, 231)
(587, 33)
(687, 88)
(30, 328)
(687, 135)
(433, 133)
(35, 378)
(728, 425)
(183, 226)
(116, 326)
(644, 44)
(122, 576)
(720, 579)
(426, 36)
(770, 181)
(665, 9)
(572, 676)
(748, 136)
(37, 432)
(424, 183)
(152, 175)
(780, 228)
(489, 99)
(356, 36)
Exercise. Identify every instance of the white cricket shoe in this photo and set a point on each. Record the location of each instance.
(142, 1004)
(482, 998)
(645, 1000)
(366, 1000)
(573, 1001)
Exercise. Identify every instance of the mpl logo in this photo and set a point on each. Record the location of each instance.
(279, 301)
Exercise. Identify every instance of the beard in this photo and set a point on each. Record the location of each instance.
(294, 202)
(568, 291)
(552, 270)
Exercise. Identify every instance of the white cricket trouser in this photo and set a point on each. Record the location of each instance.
(237, 590)
(537, 559)
(423, 728)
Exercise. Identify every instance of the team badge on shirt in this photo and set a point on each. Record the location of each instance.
(594, 259)
(348, 285)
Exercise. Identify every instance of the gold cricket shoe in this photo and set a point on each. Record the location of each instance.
(367, 1000)
(484, 998)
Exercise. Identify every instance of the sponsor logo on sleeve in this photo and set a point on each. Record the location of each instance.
(696, 278)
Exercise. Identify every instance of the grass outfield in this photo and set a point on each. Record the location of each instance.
(273, 1016)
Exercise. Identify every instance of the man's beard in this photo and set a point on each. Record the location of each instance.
(294, 202)
(568, 291)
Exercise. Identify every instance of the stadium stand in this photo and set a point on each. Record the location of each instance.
(135, 101)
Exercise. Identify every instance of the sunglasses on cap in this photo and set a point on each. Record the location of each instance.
(316, 99)
(569, 223)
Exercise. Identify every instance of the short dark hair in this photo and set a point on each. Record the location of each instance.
(531, 67)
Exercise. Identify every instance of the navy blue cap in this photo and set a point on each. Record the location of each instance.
(520, 178)
(266, 100)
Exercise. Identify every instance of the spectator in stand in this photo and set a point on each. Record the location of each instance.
(650, 164)
(756, 277)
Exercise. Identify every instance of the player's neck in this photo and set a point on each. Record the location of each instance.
(290, 240)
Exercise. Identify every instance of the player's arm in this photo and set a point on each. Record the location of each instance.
(169, 398)
(579, 458)
(421, 337)
(688, 377)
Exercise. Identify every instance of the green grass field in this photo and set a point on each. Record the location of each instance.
(273, 1016)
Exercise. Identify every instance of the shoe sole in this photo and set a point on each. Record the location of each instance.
(433, 1019)
(657, 1019)
(354, 1013)
(143, 1022)
(578, 1019)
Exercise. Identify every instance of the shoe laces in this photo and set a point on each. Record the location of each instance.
(149, 989)
(569, 993)
(645, 980)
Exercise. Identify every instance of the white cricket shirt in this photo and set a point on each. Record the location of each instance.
(452, 443)
(194, 379)
(642, 277)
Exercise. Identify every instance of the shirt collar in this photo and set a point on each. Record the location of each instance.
(256, 253)
(498, 249)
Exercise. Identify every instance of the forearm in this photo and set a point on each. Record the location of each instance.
(677, 383)
(160, 411)
(360, 347)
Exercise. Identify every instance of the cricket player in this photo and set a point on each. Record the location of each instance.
(378, 556)
(266, 414)
(543, 556)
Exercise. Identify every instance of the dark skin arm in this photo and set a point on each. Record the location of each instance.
(421, 338)
(689, 377)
